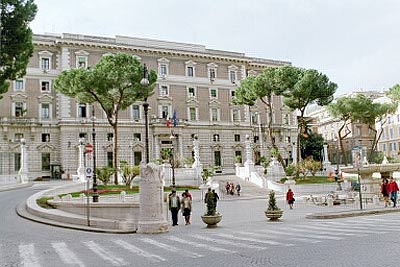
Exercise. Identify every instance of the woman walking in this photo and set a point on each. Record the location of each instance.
(384, 191)
(186, 207)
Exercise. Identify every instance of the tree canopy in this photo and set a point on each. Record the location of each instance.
(16, 46)
(113, 83)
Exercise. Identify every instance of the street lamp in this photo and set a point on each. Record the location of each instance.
(95, 195)
(172, 159)
(145, 82)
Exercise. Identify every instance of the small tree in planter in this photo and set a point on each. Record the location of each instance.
(104, 174)
(128, 173)
(205, 174)
(273, 212)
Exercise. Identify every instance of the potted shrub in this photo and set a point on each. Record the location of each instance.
(273, 212)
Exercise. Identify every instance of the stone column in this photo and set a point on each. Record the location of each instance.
(23, 171)
(249, 164)
(294, 153)
(326, 162)
(151, 218)
(81, 168)
(156, 153)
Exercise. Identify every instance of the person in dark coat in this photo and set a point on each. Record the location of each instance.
(290, 198)
(174, 205)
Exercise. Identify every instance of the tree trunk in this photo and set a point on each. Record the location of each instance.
(115, 148)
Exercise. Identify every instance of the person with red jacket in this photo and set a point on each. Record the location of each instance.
(290, 198)
(392, 189)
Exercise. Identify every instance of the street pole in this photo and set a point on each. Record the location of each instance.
(172, 159)
(95, 195)
(145, 82)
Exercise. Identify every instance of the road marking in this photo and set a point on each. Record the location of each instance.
(269, 242)
(105, 254)
(170, 248)
(197, 245)
(226, 242)
(355, 229)
(393, 226)
(324, 233)
(27, 253)
(305, 240)
(138, 251)
(66, 255)
(313, 236)
(325, 228)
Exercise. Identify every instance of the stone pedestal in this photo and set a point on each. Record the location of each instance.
(151, 218)
(81, 168)
(23, 171)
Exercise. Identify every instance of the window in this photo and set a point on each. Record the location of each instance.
(214, 114)
(216, 137)
(163, 67)
(164, 112)
(254, 117)
(82, 110)
(81, 62)
(232, 93)
(110, 137)
(46, 161)
(137, 137)
(163, 90)
(136, 112)
(238, 155)
(19, 85)
(45, 111)
(45, 137)
(83, 136)
(109, 159)
(189, 71)
(232, 76)
(391, 133)
(384, 147)
(192, 114)
(45, 86)
(163, 70)
(256, 138)
(17, 161)
(19, 109)
(137, 157)
(191, 92)
(235, 115)
(237, 137)
(18, 137)
(212, 74)
(213, 93)
(45, 63)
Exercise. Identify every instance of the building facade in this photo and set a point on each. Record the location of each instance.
(195, 85)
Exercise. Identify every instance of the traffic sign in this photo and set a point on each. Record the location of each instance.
(89, 171)
(88, 148)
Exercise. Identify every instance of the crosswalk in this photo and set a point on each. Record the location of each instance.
(119, 250)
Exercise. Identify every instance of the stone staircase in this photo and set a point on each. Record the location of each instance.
(248, 189)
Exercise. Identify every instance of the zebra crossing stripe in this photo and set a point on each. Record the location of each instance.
(313, 236)
(197, 245)
(354, 229)
(27, 253)
(170, 248)
(323, 234)
(226, 242)
(269, 235)
(269, 242)
(338, 232)
(393, 226)
(105, 254)
(138, 251)
(66, 255)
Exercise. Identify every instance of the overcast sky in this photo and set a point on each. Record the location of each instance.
(356, 43)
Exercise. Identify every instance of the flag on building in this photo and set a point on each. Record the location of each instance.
(175, 119)
(168, 123)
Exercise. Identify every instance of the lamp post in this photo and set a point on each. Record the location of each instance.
(95, 195)
(145, 82)
(172, 159)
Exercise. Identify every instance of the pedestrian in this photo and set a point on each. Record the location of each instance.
(216, 198)
(232, 188)
(174, 206)
(186, 207)
(227, 187)
(238, 188)
(393, 188)
(188, 194)
(384, 191)
(209, 199)
(290, 198)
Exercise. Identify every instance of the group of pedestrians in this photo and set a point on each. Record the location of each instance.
(231, 188)
(389, 190)
(184, 204)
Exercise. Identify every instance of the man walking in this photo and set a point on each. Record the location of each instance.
(393, 188)
(174, 205)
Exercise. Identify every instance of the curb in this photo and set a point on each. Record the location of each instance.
(15, 186)
(345, 214)
(22, 212)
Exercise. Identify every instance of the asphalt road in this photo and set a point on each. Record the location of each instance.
(243, 238)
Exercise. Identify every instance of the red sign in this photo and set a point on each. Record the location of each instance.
(88, 148)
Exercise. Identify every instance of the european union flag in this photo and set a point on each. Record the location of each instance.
(174, 119)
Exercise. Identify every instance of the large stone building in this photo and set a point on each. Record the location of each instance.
(195, 83)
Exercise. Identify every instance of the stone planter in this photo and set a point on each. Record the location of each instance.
(273, 215)
(212, 220)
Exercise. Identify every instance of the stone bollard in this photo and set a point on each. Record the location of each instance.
(375, 200)
(122, 196)
(82, 196)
